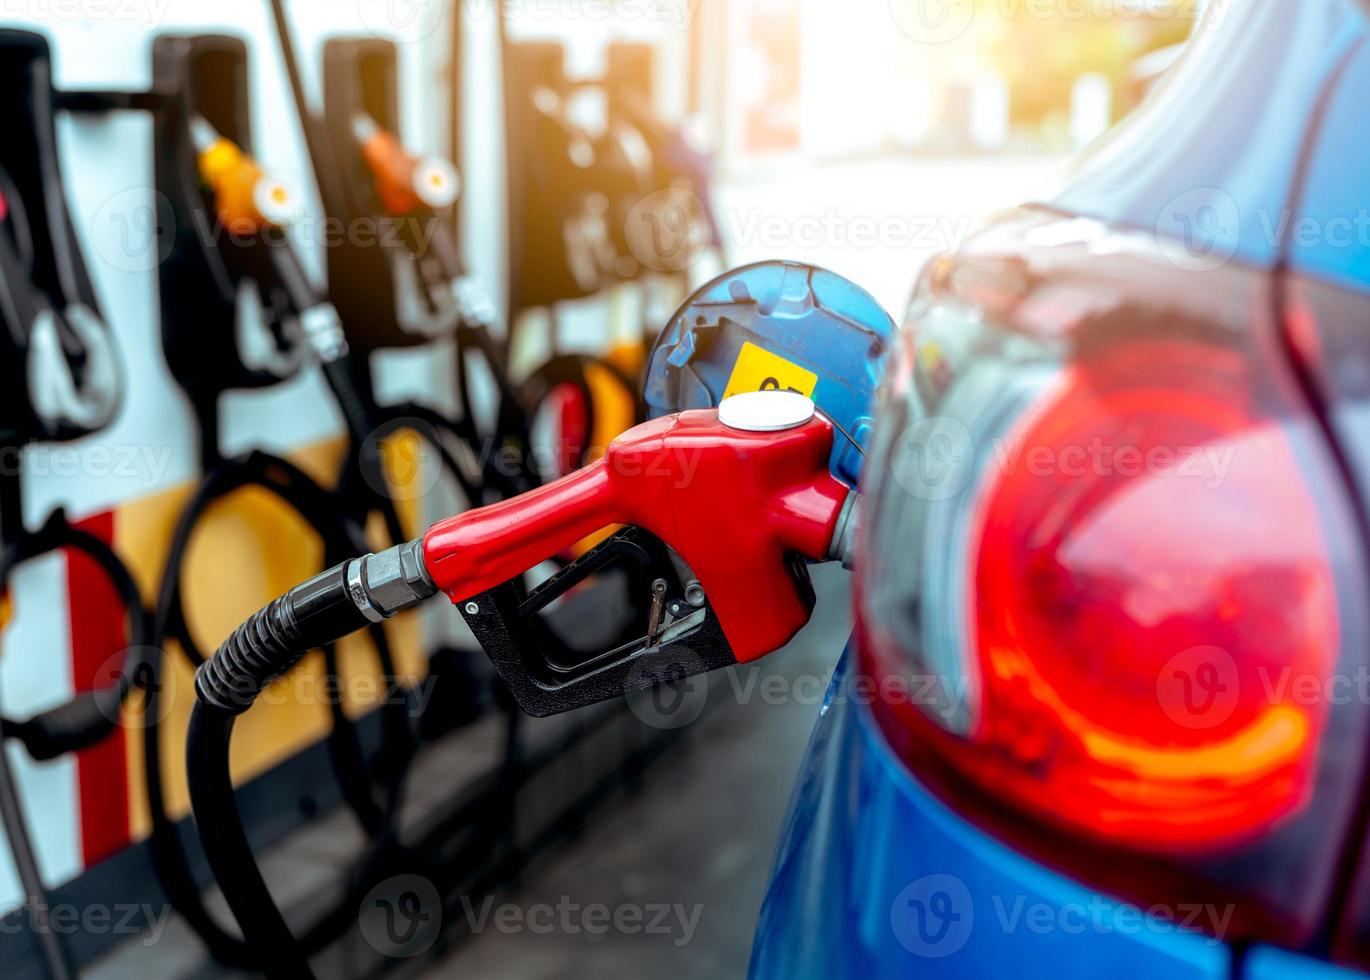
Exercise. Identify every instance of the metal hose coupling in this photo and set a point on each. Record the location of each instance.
(844, 534)
(328, 607)
(390, 581)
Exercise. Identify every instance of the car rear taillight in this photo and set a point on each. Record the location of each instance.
(1148, 562)
(1110, 600)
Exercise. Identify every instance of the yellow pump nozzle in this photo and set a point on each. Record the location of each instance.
(247, 198)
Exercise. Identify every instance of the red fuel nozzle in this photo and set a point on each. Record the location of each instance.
(736, 505)
(405, 183)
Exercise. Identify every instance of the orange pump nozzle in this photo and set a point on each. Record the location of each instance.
(247, 199)
(405, 183)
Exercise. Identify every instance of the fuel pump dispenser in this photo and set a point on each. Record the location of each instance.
(405, 287)
(239, 309)
(558, 228)
(61, 378)
(59, 381)
(412, 285)
(628, 215)
(226, 320)
(254, 210)
(682, 173)
(407, 283)
(432, 295)
(722, 508)
(561, 251)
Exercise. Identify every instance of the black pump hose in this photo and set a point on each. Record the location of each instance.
(321, 510)
(330, 606)
(360, 415)
(512, 427)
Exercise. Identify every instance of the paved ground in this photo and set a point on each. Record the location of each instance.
(699, 836)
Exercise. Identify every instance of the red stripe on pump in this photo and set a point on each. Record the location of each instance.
(97, 637)
(734, 504)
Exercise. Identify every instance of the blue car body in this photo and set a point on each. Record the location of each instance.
(1265, 122)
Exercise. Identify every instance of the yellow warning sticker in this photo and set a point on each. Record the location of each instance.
(757, 369)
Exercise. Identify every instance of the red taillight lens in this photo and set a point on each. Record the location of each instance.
(1150, 577)
(1111, 590)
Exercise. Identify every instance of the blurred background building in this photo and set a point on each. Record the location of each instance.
(890, 122)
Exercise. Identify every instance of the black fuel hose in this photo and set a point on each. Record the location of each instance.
(321, 510)
(360, 415)
(431, 426)
(315, 136)
(328, 607)
(348, 378)
(511, 432)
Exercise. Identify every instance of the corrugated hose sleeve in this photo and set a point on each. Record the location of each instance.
(276, 638)
(328, 607)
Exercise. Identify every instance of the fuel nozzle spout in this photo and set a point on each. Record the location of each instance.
(247, 199)
(405, 183)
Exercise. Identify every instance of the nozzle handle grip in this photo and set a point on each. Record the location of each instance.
(743, 509)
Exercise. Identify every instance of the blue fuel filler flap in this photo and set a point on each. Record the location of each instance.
(776, 325)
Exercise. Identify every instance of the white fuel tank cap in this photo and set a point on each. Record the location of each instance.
(765, 411)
